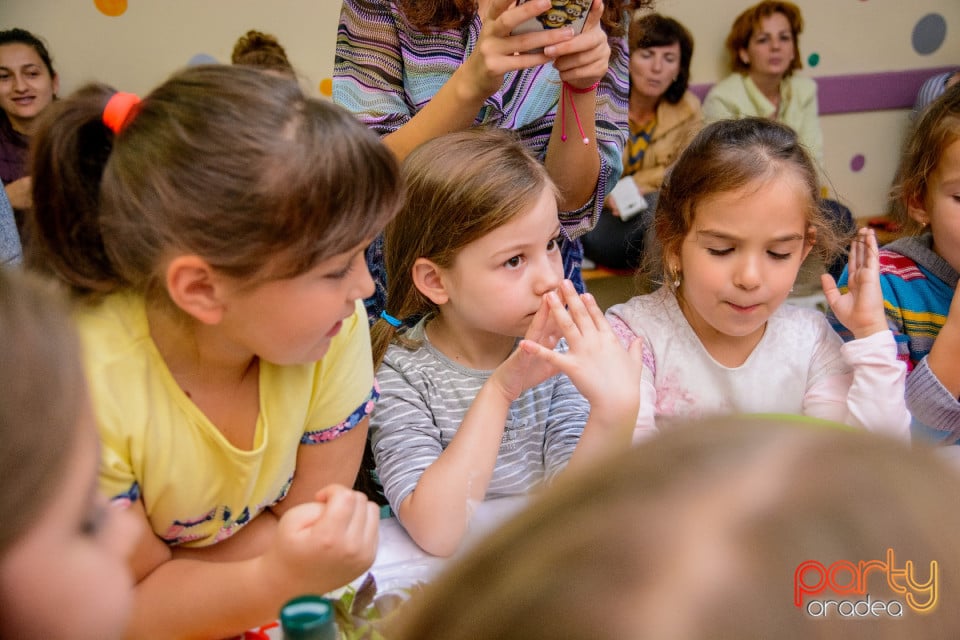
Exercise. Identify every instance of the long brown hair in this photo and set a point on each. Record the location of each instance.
(43, 394)
(226, 162)
(459, 187)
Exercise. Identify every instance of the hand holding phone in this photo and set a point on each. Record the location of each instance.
(562, 13)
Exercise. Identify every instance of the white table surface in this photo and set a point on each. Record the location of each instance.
(401, 563)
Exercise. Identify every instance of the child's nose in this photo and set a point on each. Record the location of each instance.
(549, 276)
(747, 274)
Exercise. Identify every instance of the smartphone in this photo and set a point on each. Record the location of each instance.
(563, 13)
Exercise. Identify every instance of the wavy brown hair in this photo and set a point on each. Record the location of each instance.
(262, 50)
(655, 30)
(747, 22)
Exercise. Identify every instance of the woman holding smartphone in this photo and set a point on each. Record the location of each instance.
(415, 69)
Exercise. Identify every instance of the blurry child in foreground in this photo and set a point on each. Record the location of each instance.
(720, 529)
(63, 549)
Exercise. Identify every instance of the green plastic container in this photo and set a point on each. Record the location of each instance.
(308, 618)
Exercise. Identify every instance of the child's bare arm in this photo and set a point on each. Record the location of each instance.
(319, 546)
(325, 463)
(437, 512)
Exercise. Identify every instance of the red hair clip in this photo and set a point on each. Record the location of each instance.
(118, 109)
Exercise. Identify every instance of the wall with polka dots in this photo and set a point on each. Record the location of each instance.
(869, 57)
(866, 55)
(135, 44)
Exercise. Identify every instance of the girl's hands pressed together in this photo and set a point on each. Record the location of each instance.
(522, 369)
(605, 373)
(583, 60)
(860, 309)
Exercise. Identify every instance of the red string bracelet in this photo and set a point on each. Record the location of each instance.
(563, 109)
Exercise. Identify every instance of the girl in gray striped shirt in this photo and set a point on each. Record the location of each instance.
(469, 410)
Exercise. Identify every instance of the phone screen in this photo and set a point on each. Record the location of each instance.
(563, 13)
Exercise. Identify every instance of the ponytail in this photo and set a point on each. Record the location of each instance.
(406, 305)
(63, 234)
(382, 334)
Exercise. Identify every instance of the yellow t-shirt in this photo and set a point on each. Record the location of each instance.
(158, 447)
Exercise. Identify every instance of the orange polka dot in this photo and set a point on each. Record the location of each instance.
(112, 8)
(326, 87)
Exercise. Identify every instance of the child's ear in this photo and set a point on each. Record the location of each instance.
(428, 279)
(194, 286)
(809, 241)
(917, 210)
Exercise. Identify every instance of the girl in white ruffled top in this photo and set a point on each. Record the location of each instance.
(736, 218)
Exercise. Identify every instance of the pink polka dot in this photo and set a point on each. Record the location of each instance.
(857, 162)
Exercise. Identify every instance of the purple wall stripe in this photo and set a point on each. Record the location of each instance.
(864, 91)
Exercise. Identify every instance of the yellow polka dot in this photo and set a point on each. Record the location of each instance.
(112, 8)
(326, 87)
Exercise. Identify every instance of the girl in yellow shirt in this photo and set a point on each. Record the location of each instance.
(213, 235)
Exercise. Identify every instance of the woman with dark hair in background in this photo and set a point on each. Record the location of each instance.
(28, 84)
(663, 117)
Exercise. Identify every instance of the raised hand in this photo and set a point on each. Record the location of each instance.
(324, 544)
(860, 309)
